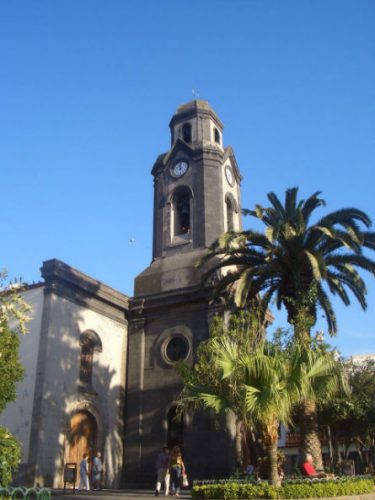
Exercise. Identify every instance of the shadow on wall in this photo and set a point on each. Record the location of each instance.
(79, 395)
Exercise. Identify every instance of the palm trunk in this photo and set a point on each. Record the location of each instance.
(254, 445)
(302, 322)
(309, 433)
(271, 439)
(273, 473)
(239, 452)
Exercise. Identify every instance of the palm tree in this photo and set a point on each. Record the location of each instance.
(267, 382)
(298, 264)
(244, 329)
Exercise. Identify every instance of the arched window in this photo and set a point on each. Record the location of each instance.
(181, 212)
(175, 431)
(186, 132)
(230, 214)
(217, 135)
(90, 342)
(87, 358)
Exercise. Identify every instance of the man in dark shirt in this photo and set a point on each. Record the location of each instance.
(162, 471)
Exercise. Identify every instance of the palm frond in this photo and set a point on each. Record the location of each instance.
(358, 288)
(326, 305)
(312, 203)
(276, 203)
(317, 265)
(369, 240)
(355, 260)
(344, 216)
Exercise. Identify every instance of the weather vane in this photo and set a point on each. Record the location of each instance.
(195, 93)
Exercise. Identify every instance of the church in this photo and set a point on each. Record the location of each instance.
(99, 364)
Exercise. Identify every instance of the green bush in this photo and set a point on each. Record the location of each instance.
(290, 489)
(10, 456)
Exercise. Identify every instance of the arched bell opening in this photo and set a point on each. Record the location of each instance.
(186, 132)
(181, 223)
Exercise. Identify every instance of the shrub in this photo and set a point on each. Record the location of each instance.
(10, 456)
(290, 489)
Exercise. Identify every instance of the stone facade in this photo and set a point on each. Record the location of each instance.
(171, 309)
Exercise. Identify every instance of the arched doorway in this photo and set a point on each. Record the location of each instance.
(82, 437)
(175, 435)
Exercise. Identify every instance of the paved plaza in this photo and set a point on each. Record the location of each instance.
(114, 494)
(147, 494)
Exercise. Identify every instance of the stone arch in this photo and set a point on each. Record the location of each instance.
(94, 339)
(233, 201)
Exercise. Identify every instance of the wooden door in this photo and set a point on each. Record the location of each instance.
(82, 437)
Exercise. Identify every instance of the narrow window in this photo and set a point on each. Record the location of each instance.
(186, 132)
(230, 215)
(217, 135)
(90, 342)
(182, 213)
(87, 357)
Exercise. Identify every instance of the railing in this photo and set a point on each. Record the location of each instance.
(293, 439)
(22, 493)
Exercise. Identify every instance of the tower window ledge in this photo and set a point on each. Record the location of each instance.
(212, 145)
(180, 240)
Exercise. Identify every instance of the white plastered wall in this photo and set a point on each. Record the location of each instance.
(234, 190)
(61, 395)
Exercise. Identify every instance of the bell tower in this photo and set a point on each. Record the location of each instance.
(196, 199)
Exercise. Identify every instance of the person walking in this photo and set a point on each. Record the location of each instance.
(177, 468)
(84, 474)
(162, 471)
(97, 468)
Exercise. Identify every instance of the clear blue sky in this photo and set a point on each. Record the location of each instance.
(87, 89)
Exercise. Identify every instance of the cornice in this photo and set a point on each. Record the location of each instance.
(196, 151)
(229, 153)
(139, 306)
(81, 289)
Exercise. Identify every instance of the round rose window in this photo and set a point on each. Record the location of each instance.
(176, 349)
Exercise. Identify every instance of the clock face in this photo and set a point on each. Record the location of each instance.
(229, 175)
(180, 168)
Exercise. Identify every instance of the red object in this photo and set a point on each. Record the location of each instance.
(308, 469)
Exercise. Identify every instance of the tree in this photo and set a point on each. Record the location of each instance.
(13, 319)
(11, 370)
(351, 417)
(299, 264)
(245, 329)
(262, 386)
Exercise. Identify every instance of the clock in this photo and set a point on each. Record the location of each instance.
(229, 175)
(180, 168)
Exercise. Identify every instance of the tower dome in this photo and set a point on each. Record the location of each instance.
(196, 123)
